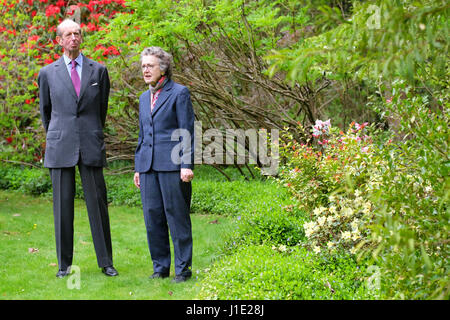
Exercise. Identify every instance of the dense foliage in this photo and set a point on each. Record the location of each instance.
(369, 200)
(399, 49)
(27, 43)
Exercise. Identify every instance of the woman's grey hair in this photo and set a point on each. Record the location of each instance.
(165, 59)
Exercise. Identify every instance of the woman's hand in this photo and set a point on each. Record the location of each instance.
(137, 182)
(186, 175)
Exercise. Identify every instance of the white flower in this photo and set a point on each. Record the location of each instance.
(322, 220)
(330, 244)
(359, 201)
(318, 211)
(355, 224)
(347, 212)
(346, 235)
(309, 225)
(331, 219)
(316, 249)
(309, 228)
(367, 207)
(333, 209)
(355, 235)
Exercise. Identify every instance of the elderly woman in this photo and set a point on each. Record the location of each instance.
(164, 163)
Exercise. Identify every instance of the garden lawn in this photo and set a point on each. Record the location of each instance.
(28, 263)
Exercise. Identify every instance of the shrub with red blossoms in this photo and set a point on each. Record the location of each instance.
(27, 43)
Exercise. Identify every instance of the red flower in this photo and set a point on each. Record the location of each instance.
(99, 47)
(108, 51)
(91, 26)
(24, 47)
(34, 38)
(96, 16)
(52, 10)
(9, 139)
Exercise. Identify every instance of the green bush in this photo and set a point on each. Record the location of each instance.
(262, 272)
(33, 181)
(212, 193)
(122, 191)
(280, 224)
(36, 182)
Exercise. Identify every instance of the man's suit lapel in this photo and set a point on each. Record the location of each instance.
(163, 95)
(85, 74)
(63, 74)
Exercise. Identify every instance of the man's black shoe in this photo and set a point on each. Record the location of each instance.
(159, 275)
(110, 271)
(180, 278)
(63, 273)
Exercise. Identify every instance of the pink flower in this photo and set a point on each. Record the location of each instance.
(360, 126)
(321, 127)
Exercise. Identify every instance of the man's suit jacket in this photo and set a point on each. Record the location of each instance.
(74, 125)
(172, 111)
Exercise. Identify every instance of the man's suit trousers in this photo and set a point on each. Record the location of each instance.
(94, 188)
(166, 203)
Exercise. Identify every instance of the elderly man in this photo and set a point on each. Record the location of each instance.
(164, 163)
(73, 93)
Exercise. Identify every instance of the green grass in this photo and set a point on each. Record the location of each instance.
(27, 222)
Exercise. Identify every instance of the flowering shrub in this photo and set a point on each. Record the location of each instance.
(328, 176)
(381, 199)
(325, 164)
(341, 225)
(27, 42)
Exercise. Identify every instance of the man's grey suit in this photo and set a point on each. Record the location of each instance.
(74, 127)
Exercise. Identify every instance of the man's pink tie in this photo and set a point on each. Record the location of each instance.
(75, 78)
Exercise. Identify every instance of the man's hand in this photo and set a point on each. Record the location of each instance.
(137, 182)
(186, 175)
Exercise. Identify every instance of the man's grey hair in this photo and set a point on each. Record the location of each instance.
(165, 59)
(65, 23)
